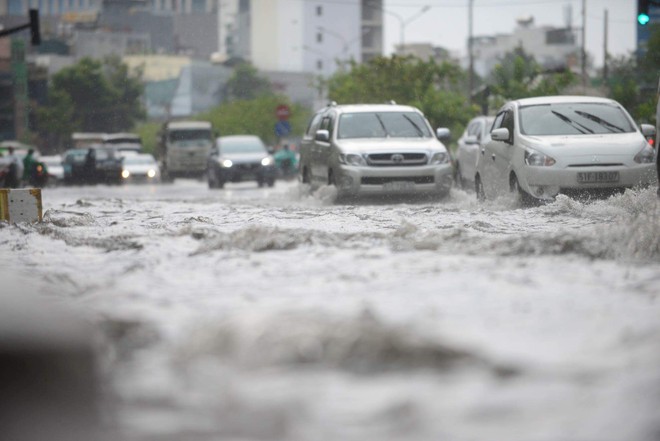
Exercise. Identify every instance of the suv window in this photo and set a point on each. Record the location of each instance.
(474, 129)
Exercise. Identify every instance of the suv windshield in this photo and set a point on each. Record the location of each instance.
(382, 125)
(573, 119)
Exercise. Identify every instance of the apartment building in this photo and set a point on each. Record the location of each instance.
(552, 47)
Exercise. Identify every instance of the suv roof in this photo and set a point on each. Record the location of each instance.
(363, 108)
(561, 99)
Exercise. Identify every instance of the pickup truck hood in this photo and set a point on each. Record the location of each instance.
(390, 145)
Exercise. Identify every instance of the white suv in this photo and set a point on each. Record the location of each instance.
(367, 149)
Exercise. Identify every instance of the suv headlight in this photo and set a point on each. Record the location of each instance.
(439, 158)
(538, 159)
(352, 159)
(646, 155)
(226, 163)
(267, 161)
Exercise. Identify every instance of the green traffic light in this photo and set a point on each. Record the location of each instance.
(643, 19)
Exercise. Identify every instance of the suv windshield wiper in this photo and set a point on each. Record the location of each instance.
(579, 127)
(599, 120)
(414, 124)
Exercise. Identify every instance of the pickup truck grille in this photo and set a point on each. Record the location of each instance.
(397, 159)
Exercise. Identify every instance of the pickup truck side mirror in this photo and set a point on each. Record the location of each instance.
(322, 136)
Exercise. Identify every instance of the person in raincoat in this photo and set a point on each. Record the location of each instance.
(29, 167)
(14, 170)
(286, 161)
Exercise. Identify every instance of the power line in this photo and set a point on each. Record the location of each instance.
(443, 4)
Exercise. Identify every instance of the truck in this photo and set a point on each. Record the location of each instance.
(183, 149)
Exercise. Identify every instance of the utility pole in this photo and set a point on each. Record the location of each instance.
(470, 52)
(605, 73)
(584, 50)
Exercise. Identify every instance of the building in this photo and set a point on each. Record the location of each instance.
(553, 48)
(424, 51)
(317, 37)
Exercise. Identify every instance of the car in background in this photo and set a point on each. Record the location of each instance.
(470, 144)
(239, 158)
(95, 164)
(375, 149)
(541, 147)
(55, 169)
(140, 168)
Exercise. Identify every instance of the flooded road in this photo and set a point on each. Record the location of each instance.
(276, 314)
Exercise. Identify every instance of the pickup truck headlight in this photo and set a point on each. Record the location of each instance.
(538, 159)
(352, 159)
(226, 163)
(439, 158)
(646, 155)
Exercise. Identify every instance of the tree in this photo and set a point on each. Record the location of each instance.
(91, 96)
(247, 84)
(431, 87)
(518, 75)
(255, 116)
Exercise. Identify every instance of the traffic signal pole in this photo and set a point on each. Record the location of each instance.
(32, 25)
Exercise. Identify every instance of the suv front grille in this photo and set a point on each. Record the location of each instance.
(396, 159)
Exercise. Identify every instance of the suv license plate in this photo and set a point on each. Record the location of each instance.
(399, 186)
(597, 177)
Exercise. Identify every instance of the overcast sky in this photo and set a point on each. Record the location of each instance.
(446, 22)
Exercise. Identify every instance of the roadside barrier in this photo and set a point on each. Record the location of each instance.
(20, 205)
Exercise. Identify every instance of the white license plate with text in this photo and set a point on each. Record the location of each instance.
(597, 177)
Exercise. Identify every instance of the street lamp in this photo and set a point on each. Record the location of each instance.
(346, 44)
(402, 22)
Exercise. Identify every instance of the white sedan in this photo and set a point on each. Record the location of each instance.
(140, 167)
(544, 146)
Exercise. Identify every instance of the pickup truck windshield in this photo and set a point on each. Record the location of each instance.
(382, 125)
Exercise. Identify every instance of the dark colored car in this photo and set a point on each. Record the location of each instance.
(240, 158)
(94, 165)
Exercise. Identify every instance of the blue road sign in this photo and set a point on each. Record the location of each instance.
(282, 128)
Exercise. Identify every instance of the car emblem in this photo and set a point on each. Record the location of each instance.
(595, 160)
(397, 159)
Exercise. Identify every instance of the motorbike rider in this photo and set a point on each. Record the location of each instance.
(15, 170)
(286, 161)
(29, 167)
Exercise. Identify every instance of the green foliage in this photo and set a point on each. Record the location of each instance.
(148, 132)
(255, 117)
(433, 88)
(247, 84)
(518, 75)
(90, 96)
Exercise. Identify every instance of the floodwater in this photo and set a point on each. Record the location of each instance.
(276, 314)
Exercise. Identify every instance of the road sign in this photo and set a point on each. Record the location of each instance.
(282, 128)
(282, 112)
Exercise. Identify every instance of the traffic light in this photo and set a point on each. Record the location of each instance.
(35, 34)
(643, 12)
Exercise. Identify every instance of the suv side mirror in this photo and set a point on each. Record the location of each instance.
(501, 134)
(471, 140)
(443, 133)
(322, 136)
